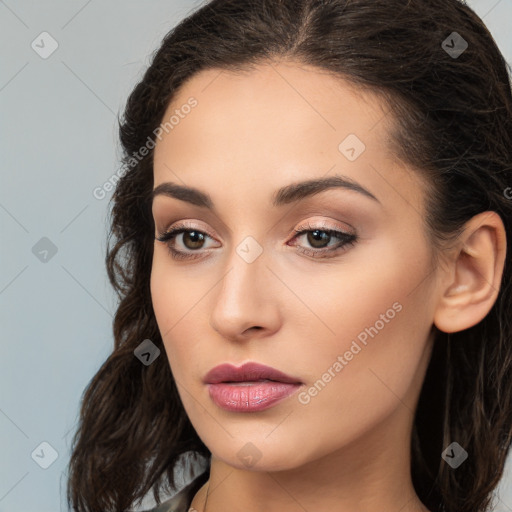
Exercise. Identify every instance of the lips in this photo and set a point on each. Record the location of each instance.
(249, 372)
(250, 388)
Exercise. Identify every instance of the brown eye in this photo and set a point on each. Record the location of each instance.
(318, 241)
(318, 238)
(193, 239)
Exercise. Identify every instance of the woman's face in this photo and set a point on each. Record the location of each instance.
(347, 315)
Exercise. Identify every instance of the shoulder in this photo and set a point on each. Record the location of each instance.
(181, 501)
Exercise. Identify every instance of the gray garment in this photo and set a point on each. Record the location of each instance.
(181, 501)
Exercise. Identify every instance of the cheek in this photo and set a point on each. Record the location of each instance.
(178, 302)
(377, 287)
(361, 383)
(377, 319)
(373, 298)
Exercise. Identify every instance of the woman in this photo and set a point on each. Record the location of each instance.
(310, 250)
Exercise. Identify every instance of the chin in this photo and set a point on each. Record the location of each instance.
(258, 453)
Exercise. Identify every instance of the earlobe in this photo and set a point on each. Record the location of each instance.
(475, 273)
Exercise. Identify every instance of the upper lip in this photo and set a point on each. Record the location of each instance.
(246, 372)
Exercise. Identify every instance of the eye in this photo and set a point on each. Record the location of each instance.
(192, 239)
(319, 237)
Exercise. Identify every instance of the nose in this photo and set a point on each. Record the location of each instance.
(246, 302)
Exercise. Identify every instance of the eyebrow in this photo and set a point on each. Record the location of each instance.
(285, 195)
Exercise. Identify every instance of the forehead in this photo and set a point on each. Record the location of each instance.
(286, 99)
(275, 123)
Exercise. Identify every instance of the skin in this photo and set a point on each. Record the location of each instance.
(348, 448)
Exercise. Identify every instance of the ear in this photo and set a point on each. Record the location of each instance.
(473, 276)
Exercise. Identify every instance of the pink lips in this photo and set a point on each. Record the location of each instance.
(251, 387)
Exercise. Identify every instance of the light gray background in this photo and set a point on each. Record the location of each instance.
(58, 141)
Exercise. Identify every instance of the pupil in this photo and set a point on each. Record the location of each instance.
(193, 235)
(316, 236)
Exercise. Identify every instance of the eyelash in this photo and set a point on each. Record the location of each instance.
(347, 240)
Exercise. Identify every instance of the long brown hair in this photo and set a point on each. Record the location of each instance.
(451, 118)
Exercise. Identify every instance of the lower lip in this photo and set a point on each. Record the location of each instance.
(250, 396)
